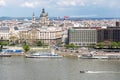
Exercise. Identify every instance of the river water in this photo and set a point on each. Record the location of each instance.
(20, 68)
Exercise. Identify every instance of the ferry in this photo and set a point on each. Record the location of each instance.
(43, 55)
(98, 56)
(93, 57)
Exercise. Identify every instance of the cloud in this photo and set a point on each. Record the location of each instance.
(30, 4)
(105, 3)
(2, 3)
(38, 3)
(67, 3)
(62, 7)
(86, 3)
(60, 3)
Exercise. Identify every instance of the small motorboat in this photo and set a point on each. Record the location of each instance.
(82, 71)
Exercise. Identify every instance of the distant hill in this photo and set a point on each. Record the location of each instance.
(55, 18)
(13, 18)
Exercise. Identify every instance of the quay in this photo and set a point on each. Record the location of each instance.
(79, 53)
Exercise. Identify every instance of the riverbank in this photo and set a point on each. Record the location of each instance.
(87, 53)
(62, 52)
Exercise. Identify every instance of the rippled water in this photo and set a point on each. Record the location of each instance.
(20, 68)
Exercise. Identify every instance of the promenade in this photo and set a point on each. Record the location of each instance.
(62, 52)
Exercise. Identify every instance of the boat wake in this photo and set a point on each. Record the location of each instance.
(101, 72)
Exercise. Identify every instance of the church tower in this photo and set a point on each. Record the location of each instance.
(33, 19)
(43, 18)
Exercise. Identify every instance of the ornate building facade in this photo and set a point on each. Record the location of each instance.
(41, 31)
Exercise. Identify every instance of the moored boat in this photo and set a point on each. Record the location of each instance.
(5, 55)
(100, 56)
(2, 54)
(43, 55)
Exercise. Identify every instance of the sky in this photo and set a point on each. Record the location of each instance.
(75, 8)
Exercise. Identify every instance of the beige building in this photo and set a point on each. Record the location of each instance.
(8, 31)
(43, 30)
(39, 30)
(4, 33)
(48, 36)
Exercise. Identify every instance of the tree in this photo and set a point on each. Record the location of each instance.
(39, 43)
(26, 48)
(3, 43)
(114, 45)
(70, 46)
(13, 39)
(95, 46)
(77, 46)
(100, 44)
(66, 46)
(118, 44)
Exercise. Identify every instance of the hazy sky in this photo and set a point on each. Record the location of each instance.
(82, 8)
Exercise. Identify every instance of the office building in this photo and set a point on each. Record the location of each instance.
(109, 34)
(82, 36)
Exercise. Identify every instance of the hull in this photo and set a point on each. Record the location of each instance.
(5, 55)
(43, 55)
(29, 56)
(97, 57)
(101, 57)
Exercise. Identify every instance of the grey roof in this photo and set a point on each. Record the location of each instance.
(34, 25)
(4, 28)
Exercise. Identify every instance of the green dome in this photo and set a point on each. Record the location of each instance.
(43, 14)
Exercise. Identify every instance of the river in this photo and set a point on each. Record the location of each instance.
(20, 68)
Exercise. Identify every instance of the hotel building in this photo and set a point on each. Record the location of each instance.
(82, 36)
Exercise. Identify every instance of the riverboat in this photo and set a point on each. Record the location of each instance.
(43, 55)
(99, 56)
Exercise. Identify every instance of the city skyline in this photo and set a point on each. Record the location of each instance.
(76, 8)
